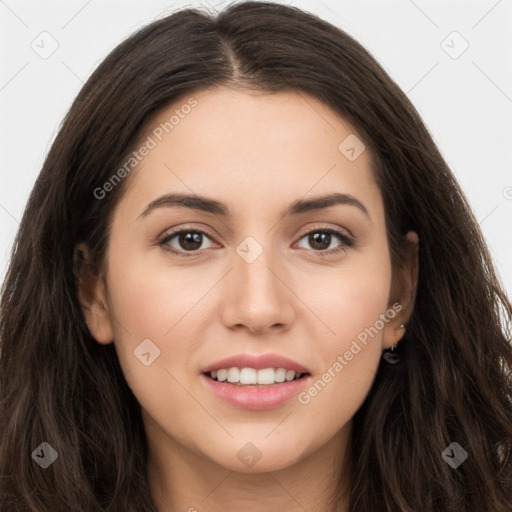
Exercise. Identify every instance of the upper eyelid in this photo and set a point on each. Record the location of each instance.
(173, 233)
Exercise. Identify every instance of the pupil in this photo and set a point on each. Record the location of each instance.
(189, 239)
(317, 238)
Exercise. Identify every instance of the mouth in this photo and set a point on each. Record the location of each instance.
(257, 390)
(251, 377)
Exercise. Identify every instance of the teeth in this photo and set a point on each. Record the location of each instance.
(233, 375)
(247, 376)
(266, 376)
(251, 376)
(280, 375)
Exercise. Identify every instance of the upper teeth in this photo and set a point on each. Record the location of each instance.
(253, 376)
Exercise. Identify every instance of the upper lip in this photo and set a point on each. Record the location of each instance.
(257, 362)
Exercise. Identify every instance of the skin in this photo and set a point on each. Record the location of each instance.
(257, 153)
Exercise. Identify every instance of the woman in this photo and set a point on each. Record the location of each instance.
(246, 279)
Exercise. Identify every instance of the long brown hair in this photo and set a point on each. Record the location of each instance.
(58, 385)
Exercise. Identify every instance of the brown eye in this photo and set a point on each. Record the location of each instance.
(183, 241)
(320, 240)
(190, 241)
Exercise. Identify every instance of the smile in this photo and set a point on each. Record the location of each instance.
(257, 397)
(251, 376)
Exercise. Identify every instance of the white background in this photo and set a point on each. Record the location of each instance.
(466, 102)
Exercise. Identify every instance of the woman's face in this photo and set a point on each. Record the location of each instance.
(248, 280)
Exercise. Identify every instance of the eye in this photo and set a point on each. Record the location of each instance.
(320, 240)
(183, 241)
(188, 240)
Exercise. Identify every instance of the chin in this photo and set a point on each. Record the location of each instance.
(251, 459)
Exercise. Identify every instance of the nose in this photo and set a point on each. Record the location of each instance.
(258, 296)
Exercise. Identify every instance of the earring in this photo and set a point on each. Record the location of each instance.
(390, 356)
(392, 348)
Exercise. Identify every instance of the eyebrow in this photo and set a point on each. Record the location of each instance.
(208, 205)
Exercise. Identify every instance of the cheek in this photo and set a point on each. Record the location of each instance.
(349, 300)
(152, 308)
(352, 306)
(153, 300)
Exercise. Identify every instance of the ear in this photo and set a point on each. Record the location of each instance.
(403, 291)
(92, 296)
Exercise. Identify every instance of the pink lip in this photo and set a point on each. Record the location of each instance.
(256, 397)
(257, 362)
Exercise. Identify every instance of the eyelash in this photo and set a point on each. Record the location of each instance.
(346, 245)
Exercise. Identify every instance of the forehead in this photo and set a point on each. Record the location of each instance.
(251, 148)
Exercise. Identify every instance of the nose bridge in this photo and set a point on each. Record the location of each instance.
(257, 296)
(253, 266)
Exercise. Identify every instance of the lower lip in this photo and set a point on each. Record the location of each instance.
(253, 397)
